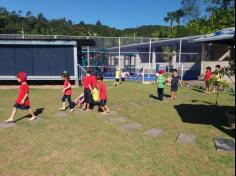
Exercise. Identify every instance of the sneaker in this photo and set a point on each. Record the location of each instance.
(72, 110)
(33, 118)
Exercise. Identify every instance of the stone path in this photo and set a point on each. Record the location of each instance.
(7, 125)
(124, 123)
(224, 144)
(186, 138)
(154, 132)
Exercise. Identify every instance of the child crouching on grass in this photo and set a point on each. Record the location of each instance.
(80, 101)
(22, 101)
(67, 92)
(103, 95)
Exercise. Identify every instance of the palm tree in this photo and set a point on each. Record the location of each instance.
(178, 15)
(170, 18)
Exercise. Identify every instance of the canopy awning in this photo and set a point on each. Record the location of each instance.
(224, 36)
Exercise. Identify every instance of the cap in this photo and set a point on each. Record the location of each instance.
(161, 72)
(22, 76)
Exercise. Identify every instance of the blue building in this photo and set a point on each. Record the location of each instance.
(43, 58)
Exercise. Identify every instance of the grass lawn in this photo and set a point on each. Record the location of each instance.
(86, 144)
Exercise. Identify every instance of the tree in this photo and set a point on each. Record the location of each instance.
(29, 14)
(170, 18)
(98, 23)
(191, 9)
(178, 15)
(168, 54)
(221, 4)
(82, 23)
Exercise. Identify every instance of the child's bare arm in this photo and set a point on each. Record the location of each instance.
(25, 97)
(90, 87)
(68, 87)
(181, 83)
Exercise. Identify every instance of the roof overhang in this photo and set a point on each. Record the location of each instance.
(224, 36)
(46, 39)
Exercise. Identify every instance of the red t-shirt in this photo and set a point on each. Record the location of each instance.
(87, 80)
(94, 81)
(67, 91)
(23, 90)
(103, 91)
(208, 75)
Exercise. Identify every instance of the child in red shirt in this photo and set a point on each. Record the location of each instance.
(103, 95)
(87, 85)
(208, 77)
(22, 101)
(67, 92)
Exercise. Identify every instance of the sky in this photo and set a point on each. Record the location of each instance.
(115, 13)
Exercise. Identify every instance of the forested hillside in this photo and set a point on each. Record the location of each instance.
(183, 22)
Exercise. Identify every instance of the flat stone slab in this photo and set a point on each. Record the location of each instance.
(37, 120)
(131, 126)
(118, 119)
(7, 125)
(185, 138)
(113, 113)
(155, 132)
(224, 144)
(62, 114)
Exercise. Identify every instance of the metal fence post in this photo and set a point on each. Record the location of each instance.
(150, 56)
(182, 72)
(180, 51)
(88, 55)
(119, 62)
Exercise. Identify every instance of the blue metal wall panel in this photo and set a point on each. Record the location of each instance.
(24, 60)
(70, 63)
(41, 62)
(58, 61)
(36, 60)
(7, 61)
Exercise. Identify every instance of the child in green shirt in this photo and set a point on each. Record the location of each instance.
(161, 80)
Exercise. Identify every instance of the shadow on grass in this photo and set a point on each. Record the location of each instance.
(198, 90)
(37, 112)
(206, 102)
(154, 97)
(206, 115)
(157, 98)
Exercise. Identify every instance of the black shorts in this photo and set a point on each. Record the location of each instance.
(103, 103)
(88, 96)
(174, 88)
(68, 97)
(117, 80)
(217, 83)
(123, 79)
(208, 83)
(21, 107)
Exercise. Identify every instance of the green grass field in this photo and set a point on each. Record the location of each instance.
(87, 144)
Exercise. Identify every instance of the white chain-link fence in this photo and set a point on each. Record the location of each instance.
(133, 54)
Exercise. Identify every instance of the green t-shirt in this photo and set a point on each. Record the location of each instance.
(161, 82)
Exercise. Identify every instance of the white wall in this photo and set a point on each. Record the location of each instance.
(163, 65)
